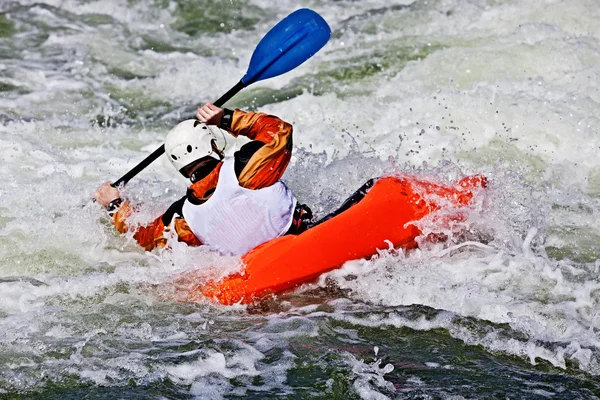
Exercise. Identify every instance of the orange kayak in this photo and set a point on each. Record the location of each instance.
(381, 218)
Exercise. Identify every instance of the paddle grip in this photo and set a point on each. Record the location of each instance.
(158, 152)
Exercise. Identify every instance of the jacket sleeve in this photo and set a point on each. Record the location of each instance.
(268, 164)
(152, 235)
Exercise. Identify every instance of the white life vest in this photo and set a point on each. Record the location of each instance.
(235, 219)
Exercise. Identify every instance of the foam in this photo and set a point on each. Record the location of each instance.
(505, 89)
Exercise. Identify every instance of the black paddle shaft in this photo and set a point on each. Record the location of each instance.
(158, 152)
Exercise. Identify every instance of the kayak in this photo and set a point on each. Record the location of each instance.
(385, 217)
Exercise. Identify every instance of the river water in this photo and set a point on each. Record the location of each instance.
(509, 308)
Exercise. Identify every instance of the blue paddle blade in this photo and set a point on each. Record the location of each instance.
(288, 44)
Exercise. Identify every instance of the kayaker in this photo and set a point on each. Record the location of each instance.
(234, 203)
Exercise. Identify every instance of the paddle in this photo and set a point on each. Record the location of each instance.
(288, 44)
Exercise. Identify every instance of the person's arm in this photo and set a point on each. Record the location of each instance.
(151, 235)
(268, 163)
(269, 160)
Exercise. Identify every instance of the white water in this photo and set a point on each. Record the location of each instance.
(508, 89)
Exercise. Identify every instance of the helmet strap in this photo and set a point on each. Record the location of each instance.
(220, 152)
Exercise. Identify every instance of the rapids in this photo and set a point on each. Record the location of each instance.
(508, 307)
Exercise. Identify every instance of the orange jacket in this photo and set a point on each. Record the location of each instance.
(264, 168)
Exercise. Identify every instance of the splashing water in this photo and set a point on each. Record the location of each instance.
(507, 306)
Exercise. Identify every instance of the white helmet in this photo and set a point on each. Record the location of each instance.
(191, 140)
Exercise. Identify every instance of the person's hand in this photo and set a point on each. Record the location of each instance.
(106, 193)
(209, 114)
